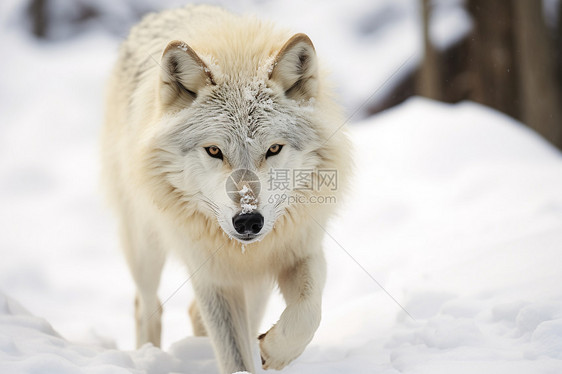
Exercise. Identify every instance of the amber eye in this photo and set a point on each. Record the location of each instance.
(214, 151)
(274, 150)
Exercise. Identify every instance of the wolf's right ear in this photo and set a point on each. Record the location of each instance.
(182, 75)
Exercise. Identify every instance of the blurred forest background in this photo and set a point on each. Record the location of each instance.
(510, 60)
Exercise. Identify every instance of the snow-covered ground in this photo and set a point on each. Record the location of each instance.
(456, 211)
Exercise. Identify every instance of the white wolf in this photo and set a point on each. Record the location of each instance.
(196, 94)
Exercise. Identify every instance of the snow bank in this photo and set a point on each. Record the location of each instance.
(29, 344)
(457, 213)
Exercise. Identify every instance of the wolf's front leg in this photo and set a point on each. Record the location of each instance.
(225, 318)
(302, 287)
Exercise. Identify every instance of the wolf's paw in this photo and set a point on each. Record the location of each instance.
(278, 351)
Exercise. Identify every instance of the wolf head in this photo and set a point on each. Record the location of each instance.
(226, 136)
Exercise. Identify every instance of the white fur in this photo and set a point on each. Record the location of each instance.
(200, 76)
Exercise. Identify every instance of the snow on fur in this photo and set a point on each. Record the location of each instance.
(247, 200)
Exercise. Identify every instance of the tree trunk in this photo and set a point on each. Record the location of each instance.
(37, 14)
(537, 73)
(492, 60)
(428, 82)
(558, 49)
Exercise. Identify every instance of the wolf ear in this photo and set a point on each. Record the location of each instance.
(296, 69)
(183, 74)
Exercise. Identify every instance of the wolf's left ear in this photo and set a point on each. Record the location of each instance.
(296, 68)
(183, 74)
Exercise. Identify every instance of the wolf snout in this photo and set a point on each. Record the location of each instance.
(248, 223)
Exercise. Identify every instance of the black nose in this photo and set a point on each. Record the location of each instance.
(250, 223)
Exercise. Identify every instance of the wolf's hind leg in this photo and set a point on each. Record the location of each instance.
(146, 260)
(196, 320)
(257, 297)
